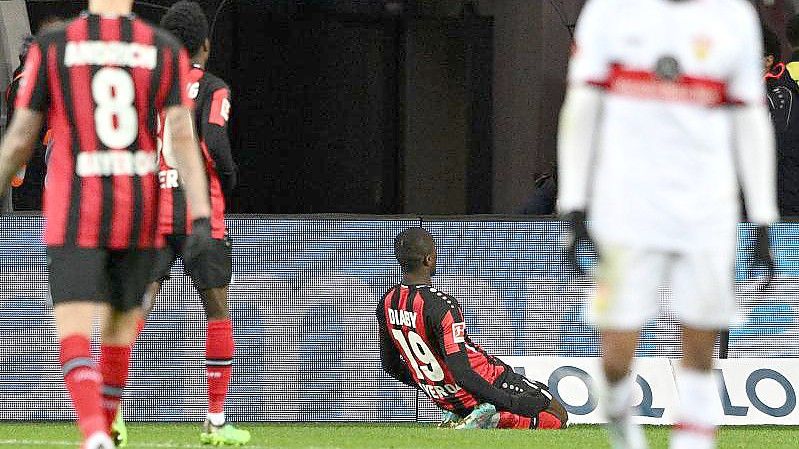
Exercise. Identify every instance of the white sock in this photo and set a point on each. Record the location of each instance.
(617, 397)
(698, 412)
(216, 419)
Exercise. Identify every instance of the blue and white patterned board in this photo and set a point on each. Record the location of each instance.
(303, 298)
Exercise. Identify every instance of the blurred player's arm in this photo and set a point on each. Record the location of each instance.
(390, 358)
(754, 138)
(216, 114)
(188, 160)
(576, 143)
(454, 347)
(589, 69)
(19, 142)
(754, 133)
(32, 99)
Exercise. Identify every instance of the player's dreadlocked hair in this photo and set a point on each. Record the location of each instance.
(187, 22)
(411, 246)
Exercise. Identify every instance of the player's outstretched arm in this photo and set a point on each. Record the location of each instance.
(189, 161)
(18, 142)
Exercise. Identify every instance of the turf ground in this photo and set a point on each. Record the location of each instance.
(378, 436)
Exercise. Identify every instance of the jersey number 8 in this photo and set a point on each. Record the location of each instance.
(115, 116)
(419, 356)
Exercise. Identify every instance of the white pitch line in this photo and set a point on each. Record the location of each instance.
(132, 445)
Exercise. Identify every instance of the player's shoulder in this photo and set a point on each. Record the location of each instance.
(54, 33)
(604, 7)
(214, 82)
(437, 298)
(740, 11)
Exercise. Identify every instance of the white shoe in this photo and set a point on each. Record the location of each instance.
(98, 440)
(625, 434)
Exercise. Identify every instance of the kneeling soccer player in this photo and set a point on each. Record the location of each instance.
(423, 344)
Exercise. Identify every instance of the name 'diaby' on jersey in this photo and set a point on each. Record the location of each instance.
(402, 318)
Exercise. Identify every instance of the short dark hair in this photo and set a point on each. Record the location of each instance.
(771, 43)
(187, 22)
(792, 31)
(411, 246)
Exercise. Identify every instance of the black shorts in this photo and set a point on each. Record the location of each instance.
(118, 278)
(212, 270)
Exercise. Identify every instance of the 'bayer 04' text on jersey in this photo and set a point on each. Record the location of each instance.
(665, 164)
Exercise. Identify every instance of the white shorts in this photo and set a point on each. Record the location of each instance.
(628, 279)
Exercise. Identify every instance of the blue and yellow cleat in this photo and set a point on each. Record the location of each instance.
(484, 416)
(224, 435)
(119, 432)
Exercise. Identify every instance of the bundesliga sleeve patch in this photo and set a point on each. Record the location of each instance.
(459, 332)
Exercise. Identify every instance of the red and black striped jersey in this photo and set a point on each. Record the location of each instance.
(102, 81)
(211, 98)
(424, 343)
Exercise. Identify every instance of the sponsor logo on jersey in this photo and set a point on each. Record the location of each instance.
(122, 54)
(668, 68)
(702, 46)
(459, 332)
(115, 162)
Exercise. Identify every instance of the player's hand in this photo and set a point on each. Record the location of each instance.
(578, 233)
(200, 240)
(530, 403)
(762, 256)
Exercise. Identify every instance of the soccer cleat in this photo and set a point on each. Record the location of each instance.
(624, 434)
(449, 420)
(99, 440)
(224, 435)
(484, 416)
(119, 432)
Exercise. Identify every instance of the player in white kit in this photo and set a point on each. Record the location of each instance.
(664, 114)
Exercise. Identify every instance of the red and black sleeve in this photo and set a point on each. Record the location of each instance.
(176, 74)
(449, 327)
(390, 358)
(33, 92)
(215, 116)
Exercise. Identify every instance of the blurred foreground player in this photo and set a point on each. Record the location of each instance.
(211, 273)
(661, 109)
(424, 344)
(103, 78)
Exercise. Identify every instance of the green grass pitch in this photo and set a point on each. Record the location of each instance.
(378, 436)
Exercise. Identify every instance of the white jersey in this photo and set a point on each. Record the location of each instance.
(665, 173)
